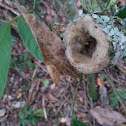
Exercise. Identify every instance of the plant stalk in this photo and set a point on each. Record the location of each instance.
(115, 91)
(74, 98)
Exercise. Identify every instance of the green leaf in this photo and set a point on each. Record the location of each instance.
(31, 64)
(21, 59)
(46, 82)
(13, 38)
(28, 39)
(103, 77)
(39, 113)
(122, 95)
(5, 54)
(76, 122)
(121, 13)
(38, 2)
(114, 102)
(25, 56)
(13, 1)
(92, 6)
(111, 2)
(112, 95)
(92, 87)
(22, 2)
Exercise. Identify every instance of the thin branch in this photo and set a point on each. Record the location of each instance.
(34, 4)
(74, 98)
(10, 9)
(44, 110)
(115, 91)
(121, 68)
(3, 21)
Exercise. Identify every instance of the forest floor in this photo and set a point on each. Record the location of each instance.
(30, 84)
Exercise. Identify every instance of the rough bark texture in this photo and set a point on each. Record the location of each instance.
(51, 46)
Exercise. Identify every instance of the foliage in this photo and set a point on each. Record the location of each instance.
(28, 39)
(69, 8)
(92, 87)
(121, 13)
(76, 122)
(27, 116)
(111, 2)
(115, 100)
(92, 6)
(46, 82)
(5, 54)
(21, 62)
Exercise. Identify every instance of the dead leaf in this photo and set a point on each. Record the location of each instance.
(50, 44)
(100, 82)
(103, 96)
(33, 91)
(19, 95)
(54, 74)
(107, 116)
(2, 119)
(51, 97)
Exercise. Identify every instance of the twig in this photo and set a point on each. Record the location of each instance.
(60, 106)
(44, 110)
(121, 68)
(14, 19)
(62, 8)
(34, 73)
(74, 98)
(34, 4)
(10, 9)
(45, 70)
(3, 21)
(115, 91)
(85, 96)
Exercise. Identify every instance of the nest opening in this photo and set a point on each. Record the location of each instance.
(84, 45)
(89, 45)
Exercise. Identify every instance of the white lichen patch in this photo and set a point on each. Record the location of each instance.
(114, 28)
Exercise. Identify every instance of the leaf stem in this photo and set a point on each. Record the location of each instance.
(115, 91)
(74, 98)
(14, 19)
(34, 4)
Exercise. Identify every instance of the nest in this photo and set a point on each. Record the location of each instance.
(87, 45)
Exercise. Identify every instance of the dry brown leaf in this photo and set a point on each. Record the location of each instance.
(107, 116)
(33, 91)
(100, 82)
(103, 96)
(50, 44)
(54, 74)
(51, 97)
(2, 119)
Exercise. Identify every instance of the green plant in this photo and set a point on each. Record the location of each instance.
(21, 62)
(115, 100)
(27, 116)
(92, 87)
(76, 122)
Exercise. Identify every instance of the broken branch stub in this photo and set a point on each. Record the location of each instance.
(51, 46)
(94, 41)
(87, 45)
